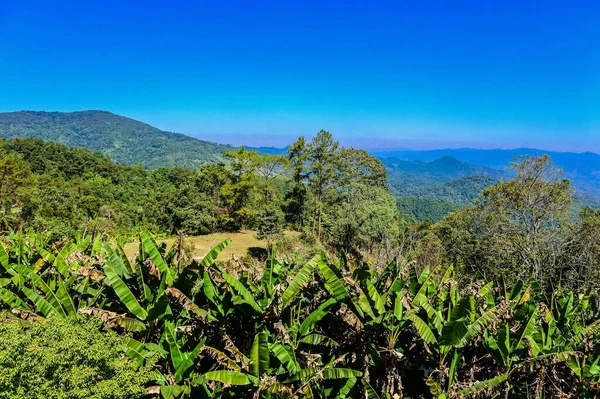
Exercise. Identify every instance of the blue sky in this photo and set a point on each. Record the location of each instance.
(376, 74)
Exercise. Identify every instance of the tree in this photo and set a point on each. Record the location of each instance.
(519, 227)
(358, 166)
(581, 262)
(270, 224)
(269, 167)
(296, 198)
(15, 176)
(323, 172)
(366, 216)
(239, 190)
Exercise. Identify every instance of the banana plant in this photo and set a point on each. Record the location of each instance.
(43, 284)
(323, 328)
(147, 289)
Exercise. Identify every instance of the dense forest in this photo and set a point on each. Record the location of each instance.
(427, 183)
(498, 297)
(315, 189)
(335, 196)
(421, 199)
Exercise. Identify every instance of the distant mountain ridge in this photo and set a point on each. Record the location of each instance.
(125, 140)
(270, 150)
(582, 168)
(440, 170)
(429, 190)
(494, 158)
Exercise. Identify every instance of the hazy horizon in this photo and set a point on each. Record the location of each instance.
(419, 76)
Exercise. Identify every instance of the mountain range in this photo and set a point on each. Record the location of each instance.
(439, 180)
(582, 168)
(428, 189)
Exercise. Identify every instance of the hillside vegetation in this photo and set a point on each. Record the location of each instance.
(431, 190)
(343, 298)
(123, 139)
(321, 189)
(322, 328)
(440, 170)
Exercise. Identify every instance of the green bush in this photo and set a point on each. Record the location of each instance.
(65, 359)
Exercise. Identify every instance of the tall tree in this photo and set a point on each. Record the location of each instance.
(323, 167)
(296, 198)
(269, 167)
(358, 166)
(239, 190)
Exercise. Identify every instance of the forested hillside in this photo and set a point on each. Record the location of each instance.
(428, 200)
(431, 190)
(138, 263)
(328, 192)
(123, 139)
(439, 170)
(499, 298)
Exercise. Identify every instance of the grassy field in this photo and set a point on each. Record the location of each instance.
(240, 243)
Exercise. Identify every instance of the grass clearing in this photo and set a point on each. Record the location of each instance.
(240, 243)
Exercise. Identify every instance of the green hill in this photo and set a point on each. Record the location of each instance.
(123, 139)
(430, 190)
(432, 201)
(438, 171)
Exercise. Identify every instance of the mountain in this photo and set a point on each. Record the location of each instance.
(439, 170)
(433, 201)
(582, 168)
(125, 140)
(430, 190)
(428, 183)
(270, 150)
(457, 191)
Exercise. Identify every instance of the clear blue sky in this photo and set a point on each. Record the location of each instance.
(396, 73)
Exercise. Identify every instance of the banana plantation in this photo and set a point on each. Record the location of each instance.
(326, 327)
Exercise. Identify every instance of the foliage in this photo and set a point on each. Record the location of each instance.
(431, 190)
(66, 359)
(325, 180)
(424, 208)
(424, 198)
(519, 228)
(324, 328)
(270, 224)
(498, 298)
(67, 191)
(364, 219)
(581, 168)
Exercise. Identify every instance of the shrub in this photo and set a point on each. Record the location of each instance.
(65, 359)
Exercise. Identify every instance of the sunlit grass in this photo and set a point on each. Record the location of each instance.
(240, 243)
